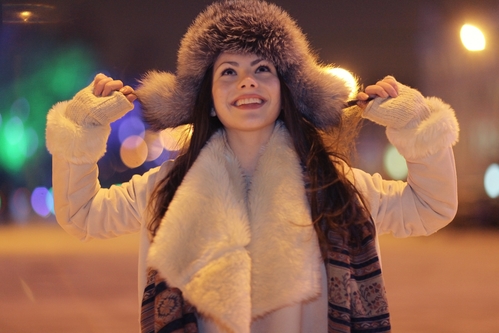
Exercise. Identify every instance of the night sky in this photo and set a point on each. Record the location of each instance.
(370, 38)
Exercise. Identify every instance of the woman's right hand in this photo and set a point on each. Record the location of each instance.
(102, 102)
(105, 85)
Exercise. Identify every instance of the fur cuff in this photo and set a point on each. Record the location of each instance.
(440, 130)
(72, 142)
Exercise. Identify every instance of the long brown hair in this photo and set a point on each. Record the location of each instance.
(203, 127)
(335, 203)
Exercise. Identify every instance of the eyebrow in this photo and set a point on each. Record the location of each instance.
(236, 64)
(254, 62)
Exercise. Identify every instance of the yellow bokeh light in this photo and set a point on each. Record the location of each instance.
(348, 77)
(472, 38)
(394, 163)
(175, 138)
(25, 15)
(154, 145)
(133, 151)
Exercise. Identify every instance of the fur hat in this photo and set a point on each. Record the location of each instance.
(242, 26)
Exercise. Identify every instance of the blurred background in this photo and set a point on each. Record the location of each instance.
(50, 49)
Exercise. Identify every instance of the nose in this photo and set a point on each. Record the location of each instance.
(248, 81)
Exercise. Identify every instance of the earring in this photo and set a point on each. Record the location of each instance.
(212, 112)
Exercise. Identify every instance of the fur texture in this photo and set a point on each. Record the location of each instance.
(242, 26)
(236, 254)
(75, 143)
(438, 131)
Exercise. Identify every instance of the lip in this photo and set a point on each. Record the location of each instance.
(248, 96)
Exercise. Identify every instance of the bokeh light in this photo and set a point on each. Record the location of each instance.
(472, 38)
(69, 71)
(50, 201)
(154, 145)
(130, 125)
(14, 144)
(394, 163)
(173, 138)
(48, 75)
(14, 130)
(133, 151)
(20, 108)
(491, 181)
(39, 201)
(33, 141)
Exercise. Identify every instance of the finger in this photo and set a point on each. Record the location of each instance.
(131, 97)
(362, 96)
(111, 86)
(99, 85)
(392, 81)
(390, 78)
(376, 90)
(389, 87)
(127, 90)
(129, 93)
(99, 77)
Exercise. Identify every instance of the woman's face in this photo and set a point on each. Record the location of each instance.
(246, 92)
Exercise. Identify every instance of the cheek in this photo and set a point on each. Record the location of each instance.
(218, 94)
(215, 95)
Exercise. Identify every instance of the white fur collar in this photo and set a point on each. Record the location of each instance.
(237, 259)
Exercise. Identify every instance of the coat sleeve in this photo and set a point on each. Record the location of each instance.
(428, 200)
(424, 204)
(82, 207)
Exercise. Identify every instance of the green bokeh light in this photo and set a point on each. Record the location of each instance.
(26, 99)
(14, 145)
(33, 141)
(71, 72)
(14, 130)
(20, 108)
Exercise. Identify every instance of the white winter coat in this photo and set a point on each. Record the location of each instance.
(420, 206)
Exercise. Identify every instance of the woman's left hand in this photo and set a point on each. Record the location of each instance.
(383, 108)
(387, 87)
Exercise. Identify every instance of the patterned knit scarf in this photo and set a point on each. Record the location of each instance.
(356, 294)
(164, 309)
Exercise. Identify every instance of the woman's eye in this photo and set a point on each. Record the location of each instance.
(228, 71)
(263, 68)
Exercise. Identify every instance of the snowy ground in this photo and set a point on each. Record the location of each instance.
(51, 282)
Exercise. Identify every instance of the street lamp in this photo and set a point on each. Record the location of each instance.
(472, 38)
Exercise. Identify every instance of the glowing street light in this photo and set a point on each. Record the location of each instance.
(472, 38)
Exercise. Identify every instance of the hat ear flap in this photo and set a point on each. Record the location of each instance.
(157, 93)
(320, 96)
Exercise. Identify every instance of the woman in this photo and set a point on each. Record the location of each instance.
(257, 226)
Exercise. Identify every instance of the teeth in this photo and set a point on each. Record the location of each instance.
(248, 101)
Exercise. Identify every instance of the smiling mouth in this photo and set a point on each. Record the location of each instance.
(246, 101)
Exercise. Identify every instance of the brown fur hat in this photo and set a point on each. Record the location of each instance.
(242, 26)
